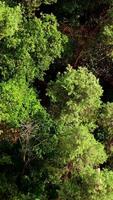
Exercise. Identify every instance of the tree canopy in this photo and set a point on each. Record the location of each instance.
(56, 100)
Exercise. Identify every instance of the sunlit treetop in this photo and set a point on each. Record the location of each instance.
(32, 49)
(10, 18)
(18, 102)
(76, 95)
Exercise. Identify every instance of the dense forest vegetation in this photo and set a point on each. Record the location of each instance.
(56, 100)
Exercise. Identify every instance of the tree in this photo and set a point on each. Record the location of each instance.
(38, 43)
(77, 148)
(105, 122)
(62, 149)
(18, 102)
(32, 5)
(90, 184)
(10, 19)
(76, 93)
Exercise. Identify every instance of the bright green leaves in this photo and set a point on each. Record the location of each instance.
(75, 102)
(43, 43)
(76, 107)
(54, 154)
(32, 49)
(10, 18)
(18, 102)
(89, 185)
(76, 144)
(76, 94)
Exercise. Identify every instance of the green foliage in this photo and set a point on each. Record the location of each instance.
(77, 145)
(75, 113)
(108, 38)
(38, 137)
(18, 102)
(30, 6)
(89, 185)
(82, 6)
(36, 144)
(37, 3)
(37, 45)
(105, 120)
(77, 94)
(62, 151)
(106, 128)
(43, 42)
(108, 33)
(10, 18)
(88, 11)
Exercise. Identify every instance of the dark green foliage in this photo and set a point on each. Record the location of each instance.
(106, 127)
(80, 12)
(31, 6)
(105, 119)
(36, 3)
